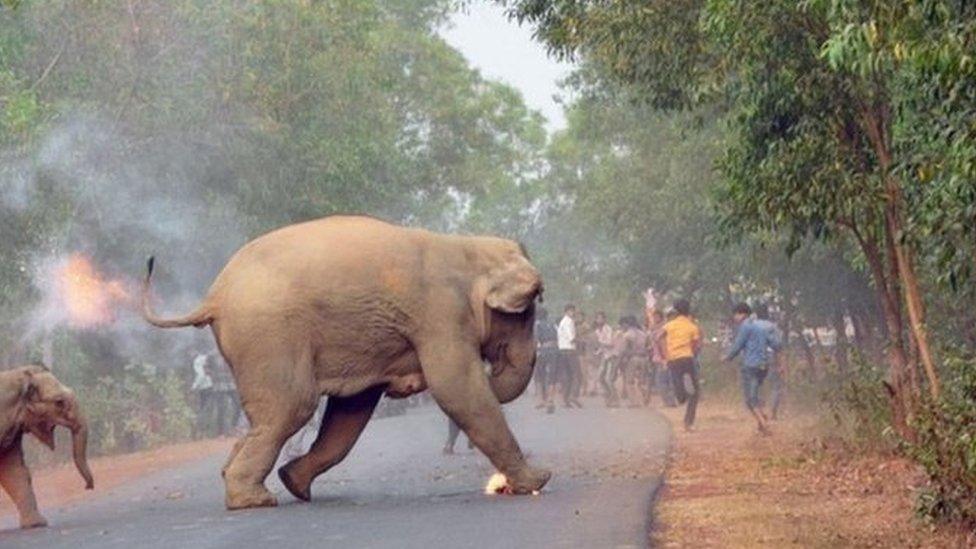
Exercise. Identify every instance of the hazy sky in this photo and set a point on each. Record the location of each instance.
(502, 50)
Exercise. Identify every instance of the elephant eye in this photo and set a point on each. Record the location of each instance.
(60, 403)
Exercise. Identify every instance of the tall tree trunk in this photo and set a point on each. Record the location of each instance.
(909, 379)
(916, 314)
(877, 131)
(887, 296)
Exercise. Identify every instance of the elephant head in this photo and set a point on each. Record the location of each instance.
(48, 403)
(504, 301)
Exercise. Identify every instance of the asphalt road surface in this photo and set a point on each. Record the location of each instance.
(396, 490)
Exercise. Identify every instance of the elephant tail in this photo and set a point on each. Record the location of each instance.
(198, 318)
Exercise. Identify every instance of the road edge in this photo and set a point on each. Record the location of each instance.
(658, 487)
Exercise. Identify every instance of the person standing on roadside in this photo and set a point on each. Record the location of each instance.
(754, 338)
(547, 358)
(453, 431)
(202, 388)
(585, 346)
(681, 340)
(569, 357)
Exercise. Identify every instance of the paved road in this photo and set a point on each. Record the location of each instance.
(396, 490)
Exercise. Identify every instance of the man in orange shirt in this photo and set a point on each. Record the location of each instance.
(681, 340)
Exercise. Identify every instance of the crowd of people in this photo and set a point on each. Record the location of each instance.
(625, 364)
(629, 363)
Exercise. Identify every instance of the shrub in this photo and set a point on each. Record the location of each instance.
(859, 410)
(945, 446)
(136, 409)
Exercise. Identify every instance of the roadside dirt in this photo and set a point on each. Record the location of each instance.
(60, 485)
(729, 487)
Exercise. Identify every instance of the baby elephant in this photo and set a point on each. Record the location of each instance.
(32, 400)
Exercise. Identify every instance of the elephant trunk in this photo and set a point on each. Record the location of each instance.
(509, 378)
(79, 450)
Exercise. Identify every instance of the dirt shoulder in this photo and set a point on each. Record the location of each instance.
(60, 485)
(729, 487)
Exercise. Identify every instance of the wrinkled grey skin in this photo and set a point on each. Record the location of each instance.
(33, 401)
(352, 307)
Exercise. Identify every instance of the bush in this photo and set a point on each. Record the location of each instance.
(135, 410)
(945, 446)
(859, 409)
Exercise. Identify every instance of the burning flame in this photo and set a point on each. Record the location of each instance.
(89, 299)
(497, 484)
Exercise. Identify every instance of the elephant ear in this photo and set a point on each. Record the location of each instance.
(42, 429)
(513, 287)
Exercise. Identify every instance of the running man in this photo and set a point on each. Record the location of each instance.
(681, 340)
(754, 338)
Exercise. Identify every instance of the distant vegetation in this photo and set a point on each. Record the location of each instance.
(847, 140)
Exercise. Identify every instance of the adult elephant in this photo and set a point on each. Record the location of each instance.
(33, 401)
(353, 307)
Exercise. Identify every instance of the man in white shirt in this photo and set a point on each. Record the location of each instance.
(566, 331)
(202, 389)
(571, 371)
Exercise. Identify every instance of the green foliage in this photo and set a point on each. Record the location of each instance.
(859, 409)
(135, 409)
(946, 446)
(636, 183)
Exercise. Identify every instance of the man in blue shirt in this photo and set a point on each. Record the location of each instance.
(755, 339)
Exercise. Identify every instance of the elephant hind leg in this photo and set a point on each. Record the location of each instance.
(230, 458)
(276, 407)
(343, 422)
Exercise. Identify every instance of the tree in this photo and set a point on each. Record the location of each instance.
(185, 128)
(819, 97)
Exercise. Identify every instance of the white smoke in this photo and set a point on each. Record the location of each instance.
(117, 200)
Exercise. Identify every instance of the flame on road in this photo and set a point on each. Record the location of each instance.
(497, 484)
(88, 297)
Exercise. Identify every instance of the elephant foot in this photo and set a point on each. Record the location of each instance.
(528, 480)
(301, 490)
(35, 521)
(258, 496)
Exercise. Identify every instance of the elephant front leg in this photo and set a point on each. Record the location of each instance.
(459, 385)
(15, 479)
(343, 422)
